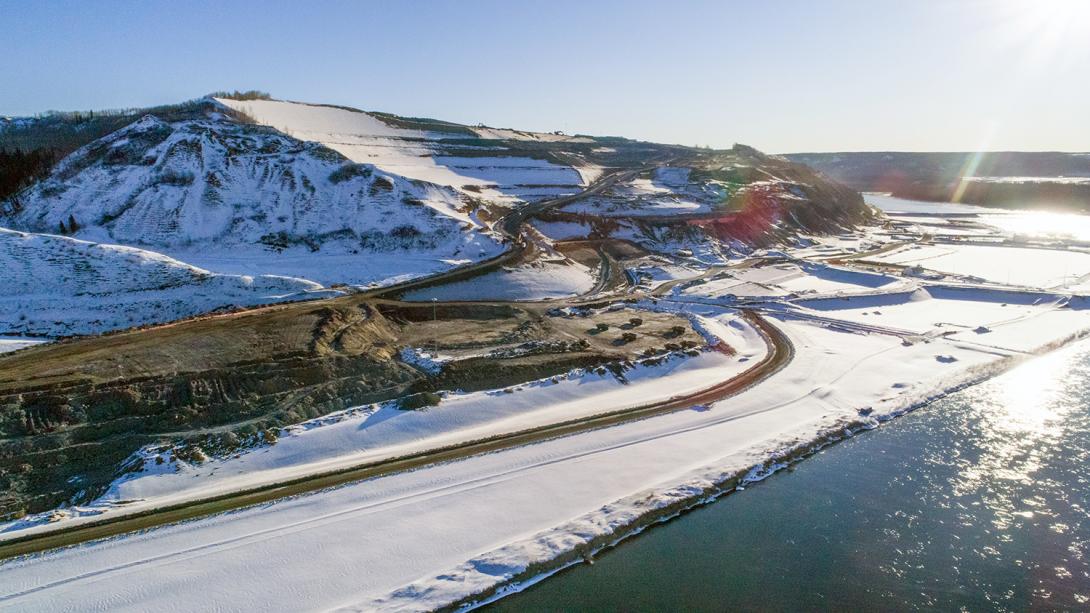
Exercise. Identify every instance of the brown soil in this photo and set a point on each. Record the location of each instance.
(72, 412)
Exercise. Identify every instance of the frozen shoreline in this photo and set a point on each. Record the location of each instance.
(612, 524)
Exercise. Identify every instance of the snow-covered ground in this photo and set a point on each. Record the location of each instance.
(784, 279)
(539, 280)
(57, 285)
(418, 154)
(1046, 268)
(865, 347)
(937, 310)
(428, 537)
(14, 343)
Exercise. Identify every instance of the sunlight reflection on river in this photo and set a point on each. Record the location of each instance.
(1043, 224)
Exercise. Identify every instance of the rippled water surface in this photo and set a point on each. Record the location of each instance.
(979, 501)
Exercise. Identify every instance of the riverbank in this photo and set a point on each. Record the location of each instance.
(705, 489)
(974, 502)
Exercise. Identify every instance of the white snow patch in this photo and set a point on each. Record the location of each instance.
(1032, 267)
(536, 281)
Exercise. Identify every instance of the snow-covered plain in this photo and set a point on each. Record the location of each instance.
(1025, 266)
(938, 310)
(784, 279)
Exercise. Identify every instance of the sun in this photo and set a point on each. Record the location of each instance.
(1049, 21)
(1042, 33)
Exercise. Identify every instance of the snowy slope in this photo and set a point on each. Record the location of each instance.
(489, 169)
(217, 208)
(55, 286)
(213, 181)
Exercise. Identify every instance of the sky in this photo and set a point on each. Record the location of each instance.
(783, 76)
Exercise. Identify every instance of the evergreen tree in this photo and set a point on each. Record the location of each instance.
(72, 225)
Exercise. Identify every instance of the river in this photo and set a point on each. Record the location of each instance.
(979, 501)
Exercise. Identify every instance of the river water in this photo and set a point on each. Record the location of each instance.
(979, 501)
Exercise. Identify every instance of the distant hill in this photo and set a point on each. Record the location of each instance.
(1004, 178)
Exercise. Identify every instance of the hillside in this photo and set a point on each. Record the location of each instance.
(502, 166)
(212, 187)
(57, 286)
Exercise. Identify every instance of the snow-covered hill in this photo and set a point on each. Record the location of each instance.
(56, 285)
(210, 201)
(482, 162)
(332, 195)
(216, 184)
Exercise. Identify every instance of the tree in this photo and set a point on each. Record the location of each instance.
(63, 229)
(72, 225)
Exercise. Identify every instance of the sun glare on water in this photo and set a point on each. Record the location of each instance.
(1029, 392)
(1041, 223)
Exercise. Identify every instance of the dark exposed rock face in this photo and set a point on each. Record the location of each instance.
(774, 199)
(67, 441)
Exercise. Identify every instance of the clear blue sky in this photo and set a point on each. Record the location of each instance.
(780, 75)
